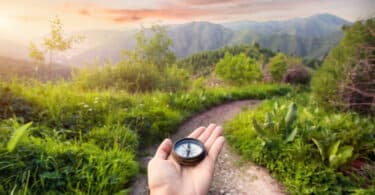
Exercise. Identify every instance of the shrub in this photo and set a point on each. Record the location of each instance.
(308, 149)
(278, 66)
(84, 142)
(358, 89)
(345, 80)
(12, 105)
(297, 75)
(149, 67)
(238, 69)
(50, 166)
(174, 79)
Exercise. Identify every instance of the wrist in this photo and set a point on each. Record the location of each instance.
(161, 191)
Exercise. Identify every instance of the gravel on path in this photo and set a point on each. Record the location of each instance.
(232, 175)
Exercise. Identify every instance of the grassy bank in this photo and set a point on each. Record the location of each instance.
(85, 141)
(309, 150)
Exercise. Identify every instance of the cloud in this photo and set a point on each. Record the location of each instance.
(174, 12)
(128, 15)
(185, 10)
(210, 2)
(84, 12)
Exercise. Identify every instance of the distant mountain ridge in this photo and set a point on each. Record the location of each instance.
(302, 27)
(310, 37)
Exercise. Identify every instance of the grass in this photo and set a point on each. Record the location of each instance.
(86, 141)
(282, 140)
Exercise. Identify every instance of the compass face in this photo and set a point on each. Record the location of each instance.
(189, 151)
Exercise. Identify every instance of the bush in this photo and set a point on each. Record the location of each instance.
(309, 150)
(278, 66)
(149, 67)
(238, 69)
(11, 105)
(174, 79)
(345, 80)
(297, 75)
(202, 63)
(86, 141)
(50, 166)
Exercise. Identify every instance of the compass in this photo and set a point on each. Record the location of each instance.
(189, 151)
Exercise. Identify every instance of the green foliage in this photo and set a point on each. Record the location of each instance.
(310, 155)
(149, 67)
(17, 136)
(330, 79)
(12, 105)
(204, 62)
(291, 115)
(154, 50)
(71, 167)
(278, 66)
(265, 131)
(55, 41)
(85, 141)
(336, 156)
(238, 69)
(35, 54)
(175, 79)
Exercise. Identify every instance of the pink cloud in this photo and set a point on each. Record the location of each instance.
(202, 10)
(210, 2)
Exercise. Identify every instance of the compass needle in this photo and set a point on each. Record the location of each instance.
(189, 151)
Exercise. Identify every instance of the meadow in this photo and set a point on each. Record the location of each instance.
(87, 141)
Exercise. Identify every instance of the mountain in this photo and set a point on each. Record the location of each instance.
(313, 26)
(187, 38)
(10, 48)
(198, 36)
(310, 37)
(11, 68)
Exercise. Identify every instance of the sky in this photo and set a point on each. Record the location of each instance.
(25, 19)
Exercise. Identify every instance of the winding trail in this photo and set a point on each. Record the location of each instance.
(232, 175)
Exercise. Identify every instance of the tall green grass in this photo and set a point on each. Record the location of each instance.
(86, 141)
(310, 151)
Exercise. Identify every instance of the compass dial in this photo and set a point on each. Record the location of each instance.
(188, 151)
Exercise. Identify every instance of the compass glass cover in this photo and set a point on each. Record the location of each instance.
(188, 149)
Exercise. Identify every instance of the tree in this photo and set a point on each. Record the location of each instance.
(346, 78)
(155, 49)
(278, 66)
(238, 69)
(55, 41)
(36, 55)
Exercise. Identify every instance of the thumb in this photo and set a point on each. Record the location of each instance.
(164, 149)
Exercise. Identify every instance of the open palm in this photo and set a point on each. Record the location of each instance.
(166, 176)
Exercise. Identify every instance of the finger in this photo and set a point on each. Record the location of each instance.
(164, 149)
(206, 134)
(214, 135)
(213, 153)
(197, 132)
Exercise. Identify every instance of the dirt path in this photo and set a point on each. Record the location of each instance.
(232, 175)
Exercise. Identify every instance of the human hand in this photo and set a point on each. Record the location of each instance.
(166, 176)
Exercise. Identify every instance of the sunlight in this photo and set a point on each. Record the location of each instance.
(5, 22)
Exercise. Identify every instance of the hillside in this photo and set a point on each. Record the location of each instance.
(10, 68)
(309, 37)
(10, 48)
(315, 26)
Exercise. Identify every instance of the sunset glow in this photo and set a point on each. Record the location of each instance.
(4, 23)
(31, 18)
